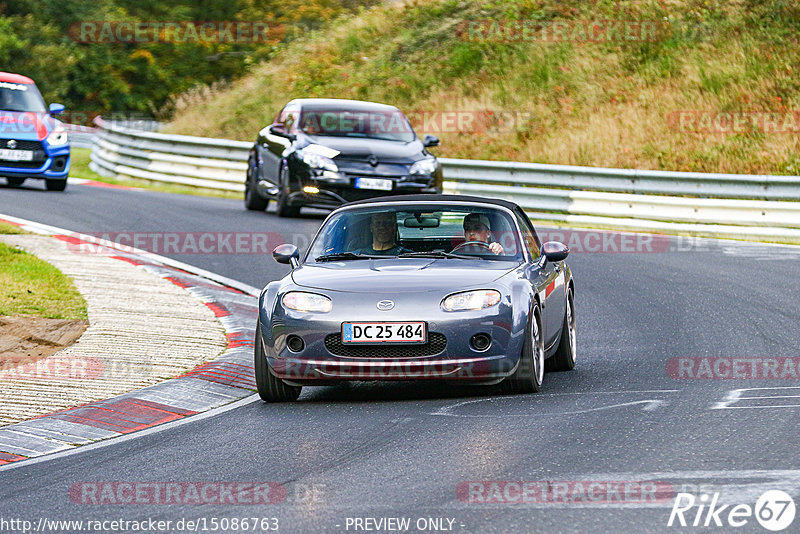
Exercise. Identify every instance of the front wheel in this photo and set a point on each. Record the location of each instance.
(270, 387)
(56, 185)
(15, 182)
(252, 200)
(284, 209)
(528, 376)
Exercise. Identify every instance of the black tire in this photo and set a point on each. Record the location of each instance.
(55, 185)
(284, 209)
(270, 387)
(528, 376)
(564, 358)
(15, 182)
(252, 200)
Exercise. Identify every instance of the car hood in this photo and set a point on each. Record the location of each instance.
(359, 148)
(400, 275)
(25, 125)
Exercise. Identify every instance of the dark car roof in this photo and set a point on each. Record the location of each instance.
(437, 198)
(340, 103)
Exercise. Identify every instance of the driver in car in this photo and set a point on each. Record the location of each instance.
(384, 236)
(478, 228)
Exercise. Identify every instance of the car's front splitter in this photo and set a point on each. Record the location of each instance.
(487, 370)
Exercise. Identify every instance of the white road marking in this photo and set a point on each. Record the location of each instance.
(735, 395)
(650, 404)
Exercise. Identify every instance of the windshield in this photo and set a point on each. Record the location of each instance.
(441, 230)
(390, 125)
(20, 97)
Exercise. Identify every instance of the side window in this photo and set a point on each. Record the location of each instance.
(286, 120)
(291, 118)
(528, 235)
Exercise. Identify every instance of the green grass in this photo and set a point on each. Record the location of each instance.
(6, 228)
(593, 103)
(80, 169)
(34, 288)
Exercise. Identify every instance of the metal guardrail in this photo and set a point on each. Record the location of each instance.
(721, 205)
(80, 136)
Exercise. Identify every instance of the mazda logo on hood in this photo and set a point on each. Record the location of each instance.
(385, 305)
(11, 144)
(373, 160)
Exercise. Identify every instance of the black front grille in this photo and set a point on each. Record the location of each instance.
(20, 164)
(436, 344)
(23, 145)
(39, 156)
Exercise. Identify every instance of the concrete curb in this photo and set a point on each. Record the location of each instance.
(127, 346)
(226, 379)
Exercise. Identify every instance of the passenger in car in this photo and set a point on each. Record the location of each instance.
(384, 236)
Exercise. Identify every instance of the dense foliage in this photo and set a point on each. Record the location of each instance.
(39, 38)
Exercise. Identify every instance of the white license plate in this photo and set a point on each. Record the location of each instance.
(16, 155)
(411, 332)
(374, 183)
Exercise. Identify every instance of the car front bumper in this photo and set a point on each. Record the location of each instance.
(55, 167)
(334, 195)
(323, 359)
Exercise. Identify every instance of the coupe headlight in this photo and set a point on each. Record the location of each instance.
(317, 161)
(58, 137)
(471, 300)
(307, 302)
(423, 166)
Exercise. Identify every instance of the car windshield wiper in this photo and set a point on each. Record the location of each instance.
(438, 254)
(348, 256)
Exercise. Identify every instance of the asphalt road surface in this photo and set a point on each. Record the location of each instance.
(605, 448)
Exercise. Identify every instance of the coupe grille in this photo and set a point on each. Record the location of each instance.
(436, 344)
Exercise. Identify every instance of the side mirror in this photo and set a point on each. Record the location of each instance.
(555, 251)
(56, 109)
(430, 140)
(281, 133)
(288, 254)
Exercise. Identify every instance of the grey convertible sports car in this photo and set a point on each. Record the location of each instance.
(417, 287)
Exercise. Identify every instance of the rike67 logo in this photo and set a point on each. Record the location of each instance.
(774, 511)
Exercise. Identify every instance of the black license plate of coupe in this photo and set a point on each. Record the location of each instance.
(385, 332)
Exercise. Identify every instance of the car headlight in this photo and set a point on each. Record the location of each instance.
(317, 161)
(58, 137)
(471, 300)
(307, 302)
(423, 166)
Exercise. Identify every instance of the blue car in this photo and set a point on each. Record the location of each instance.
(416, 287)
(33, 143)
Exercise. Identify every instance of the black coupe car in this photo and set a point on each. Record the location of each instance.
(326, 152)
